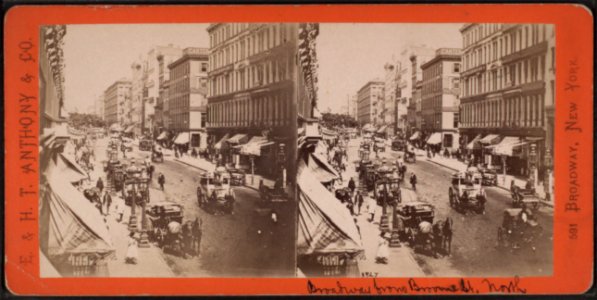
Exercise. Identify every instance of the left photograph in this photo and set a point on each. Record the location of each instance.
(168, 150)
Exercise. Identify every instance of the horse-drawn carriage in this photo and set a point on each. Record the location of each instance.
(409, 156)
(157, 155)
(398, 145)
(379, 145)
(388, 190)
(367, 176)
(275, 194)
(165, 226)
(145, 145)
(523, 198)
(237, 177)
(466, 192)
(214, 194)
(519, 226)
(365, 145)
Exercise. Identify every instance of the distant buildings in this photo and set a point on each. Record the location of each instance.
(116, 99)
(187, 97)
(165, 57)
(99, 106)
(51, 77)
(367, 104)
(440, 98)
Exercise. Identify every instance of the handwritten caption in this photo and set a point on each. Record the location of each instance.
(374, 287)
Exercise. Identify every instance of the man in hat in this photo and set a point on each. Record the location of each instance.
(351, 185)
(100, 185)
(359, 201)
(161, 180)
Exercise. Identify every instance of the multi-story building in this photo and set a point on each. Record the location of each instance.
(187, 99)
(165, 57)
(252, 97)
(134, 110)
(389, 108)
(440, 93)
(354, 109)
(99, 106)
(507, 95)
(368, 97)
(51, 77)
(411, 84)
(116, 98)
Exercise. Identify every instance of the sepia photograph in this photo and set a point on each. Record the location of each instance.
(425, 150)
(167, 150)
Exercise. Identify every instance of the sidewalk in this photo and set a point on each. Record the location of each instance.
(150, 260)
(401, 262)
(503, 181)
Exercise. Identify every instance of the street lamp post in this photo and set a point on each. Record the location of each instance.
(129, 187)
(143, 185)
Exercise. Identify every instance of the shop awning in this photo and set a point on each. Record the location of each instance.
(221, 143)
(162, 136)
(506, 145)
(325, 225)
(239, 138)
(435, 138)
(415, 136)
(129, 129)
(382, 129)
(182, 138)
(321, 170)
(474, 144)
(115, 127)
(69, 170)
(254, 145)
(489, 139)
(69, 223)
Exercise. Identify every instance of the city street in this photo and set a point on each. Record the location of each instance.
(243, 244)
(474, 251)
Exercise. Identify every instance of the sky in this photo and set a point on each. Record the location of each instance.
(97, 55)
(350, 55)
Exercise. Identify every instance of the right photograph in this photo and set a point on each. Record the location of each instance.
(425, 150)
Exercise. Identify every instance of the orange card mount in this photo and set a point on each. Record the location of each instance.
(27, 136)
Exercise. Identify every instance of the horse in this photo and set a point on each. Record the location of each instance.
(187, 237)
(442, 233)
(196, 233)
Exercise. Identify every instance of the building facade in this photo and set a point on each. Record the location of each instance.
(51, 77)
(134, 110)
(412, 85)
(508, 92)
(440, 92)
(165, 57)
(116, 99)
(368, 97)
(252, 94)
(388, 111)
(187, 99)
(99, 106)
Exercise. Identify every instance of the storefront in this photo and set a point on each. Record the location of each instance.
(235, 143)
(259, 152)
(486, 153)
(329, 243)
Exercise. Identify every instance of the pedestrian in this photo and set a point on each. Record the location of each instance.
(120, 210)
(371, 207)
(100, 185)
(351, 185)
(123, 149)
(383, 249)
(413, 181)
(356, 223)
(150, 171)
(359, 201)
(132, 252)
(107, 202)
(161, 180)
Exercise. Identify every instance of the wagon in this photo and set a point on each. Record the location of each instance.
(466, 193)
(522, 200)
(410, 215)
(518, 227)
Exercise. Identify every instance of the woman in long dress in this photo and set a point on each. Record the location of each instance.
(383, 249)
(132, 252)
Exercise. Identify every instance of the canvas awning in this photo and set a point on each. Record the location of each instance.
(382, 129)
(368, 127)
(321, 170)
(489, 139)
(474, 144)
(239, 138)
(221, 143)
(435, 138)
(69, 169)
(69, 223)
(506, 145)
(325, 225)
(129, 129)
(182, 138)
(115, 127)
(415, 136)
(253, 147)
(162, 136)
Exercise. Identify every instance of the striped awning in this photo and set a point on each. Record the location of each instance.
(474, 144)
(435, 138)
(489, 139)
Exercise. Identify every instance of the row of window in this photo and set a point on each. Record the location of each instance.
(273, 109)
(524, 111)
(525, 71)
(267, 72)
(516, 40)
(269, 36)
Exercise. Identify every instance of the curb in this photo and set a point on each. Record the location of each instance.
(549, 204)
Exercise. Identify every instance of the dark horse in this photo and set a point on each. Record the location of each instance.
(442, 236)
(196, 233)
